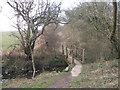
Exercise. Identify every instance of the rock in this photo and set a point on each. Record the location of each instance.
(76, 70)
(66, 69)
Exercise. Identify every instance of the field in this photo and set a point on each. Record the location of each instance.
(7, 40)
(103, 74)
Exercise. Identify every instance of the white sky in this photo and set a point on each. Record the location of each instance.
(6, 16)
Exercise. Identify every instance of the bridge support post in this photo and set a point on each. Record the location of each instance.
(83, 55)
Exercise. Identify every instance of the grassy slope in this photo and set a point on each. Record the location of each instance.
(40, 81)
(103, 74)
(7, 40)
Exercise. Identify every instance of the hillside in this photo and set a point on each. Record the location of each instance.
(102, 74)
(53, 47)
(7, 40)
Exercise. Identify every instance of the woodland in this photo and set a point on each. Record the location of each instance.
(49, 39)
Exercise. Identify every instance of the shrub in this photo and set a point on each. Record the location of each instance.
(17, 65)
(57, 64)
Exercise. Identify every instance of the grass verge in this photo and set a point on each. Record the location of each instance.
(7, 40)
(103, 74)
(40, 81)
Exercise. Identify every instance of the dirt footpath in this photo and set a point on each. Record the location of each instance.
(66, 79)
(63, 81)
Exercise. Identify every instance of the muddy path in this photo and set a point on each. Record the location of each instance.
(62, 82)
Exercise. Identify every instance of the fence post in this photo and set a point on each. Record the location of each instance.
(66, 52)
(76, 52)
(63, 50)
(83, 55)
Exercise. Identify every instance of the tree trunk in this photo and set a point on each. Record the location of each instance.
(113, 33)
(116, 46)
(33, 64)
(113, 37)
(30, 56)
(27, 51)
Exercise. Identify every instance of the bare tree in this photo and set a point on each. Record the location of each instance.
(113, 37)
(111, 31)
(110, 25)
(32, 18)
(96, 24)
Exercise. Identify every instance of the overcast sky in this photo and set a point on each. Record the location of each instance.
(6, 16)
